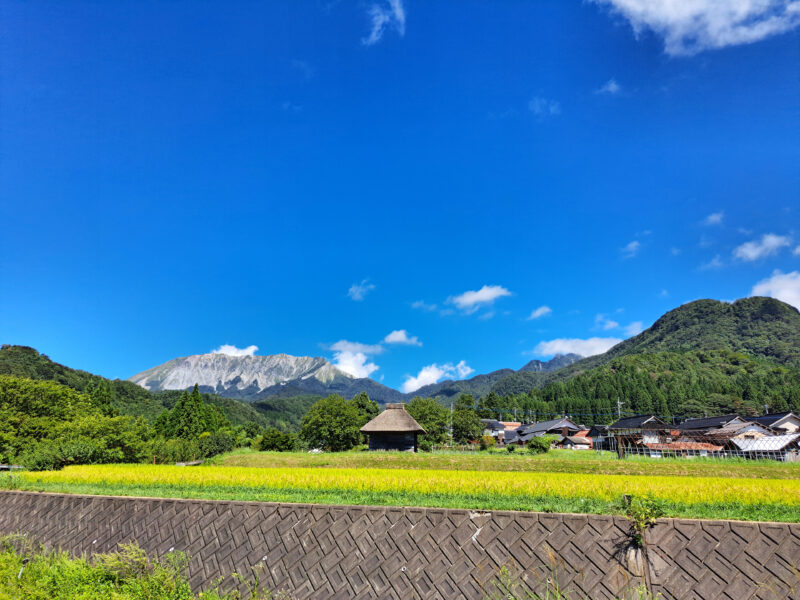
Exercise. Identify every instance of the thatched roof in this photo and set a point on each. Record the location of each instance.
(394, 419)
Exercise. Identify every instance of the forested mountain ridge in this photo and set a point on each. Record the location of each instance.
(127, 398)
(680, 384)
(759, 327)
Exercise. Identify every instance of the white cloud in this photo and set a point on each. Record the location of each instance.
(634, 328)
(540, 312)
(400, 336)
(796, 251)
(357, 291)
(604, 323)
(392, 14)
(631, 249)
(714, 218)
(783, 286)
(588, 347)
(610, 87)
(471, 300)
(691, 26)
(354, 363)
(714, 263)
(347, 346)
(543, 107)
(422, 305)
(231, 350)
(768, 245)
(433, 373)
(664, 294)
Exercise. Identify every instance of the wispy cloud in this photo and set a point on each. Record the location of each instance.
(435, 372)
(768, 245)
(348, 346)
(714, 263)
(358, 291)
(634, 328)
(587, 347)
(714, 218)
(231, 350)
(689, 27)
(631, 249)
(610, 87)
(472, 300)
(604, 323)
(796, 251)
(386, 15)
(544, 107)
(400, 336)
(538, 313)
(783, 286)
(422, 305)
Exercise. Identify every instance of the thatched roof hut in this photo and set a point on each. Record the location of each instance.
(393, 429)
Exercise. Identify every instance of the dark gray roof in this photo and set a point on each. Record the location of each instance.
(708, 422)
(769, 420)
(638, 422)
(493, 424)
(545, 426)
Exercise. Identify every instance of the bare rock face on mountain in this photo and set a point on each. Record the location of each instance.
(255, 377)
(559, 361)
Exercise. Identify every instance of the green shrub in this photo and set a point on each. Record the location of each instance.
(539, 445)
(216, 443)
(278, 441)
(486, 442)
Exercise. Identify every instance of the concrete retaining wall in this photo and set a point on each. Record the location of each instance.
(318, 551)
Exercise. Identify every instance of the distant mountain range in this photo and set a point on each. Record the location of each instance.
(252, 378)
(703, 356)
(760, 327)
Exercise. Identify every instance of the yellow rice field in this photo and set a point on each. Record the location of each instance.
(684, 490)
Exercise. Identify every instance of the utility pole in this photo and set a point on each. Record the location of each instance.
(619, 408)
(451, 422)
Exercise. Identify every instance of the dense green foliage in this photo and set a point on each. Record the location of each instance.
(433, 418)
(759, 327)
(46, 425)
(333, 423)
(124, 396)
(665, 383)
(467, 426)
(127, 574)
(276, 441)
(127, 398)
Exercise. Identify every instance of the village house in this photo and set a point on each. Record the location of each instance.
(393, 429)
(563, 427)
(787, 422)
(784, 447)
(495, 429)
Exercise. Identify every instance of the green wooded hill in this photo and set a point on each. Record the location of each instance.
(678, 384)
(126, 398)
(759, 327)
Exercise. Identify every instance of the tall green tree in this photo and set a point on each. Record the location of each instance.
(333, 424)
(188, 415)
(434, 419)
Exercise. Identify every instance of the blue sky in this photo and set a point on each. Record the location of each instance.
(414, 190)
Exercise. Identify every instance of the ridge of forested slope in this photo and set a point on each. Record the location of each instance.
(680, 384)
(759, 327)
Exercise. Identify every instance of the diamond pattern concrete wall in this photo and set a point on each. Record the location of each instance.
(317, 551)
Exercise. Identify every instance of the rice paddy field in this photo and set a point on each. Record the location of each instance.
(753, 492)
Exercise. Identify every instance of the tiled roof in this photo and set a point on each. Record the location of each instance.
(544, 426)
(637, 422)
(769, 420)
(707, 422)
